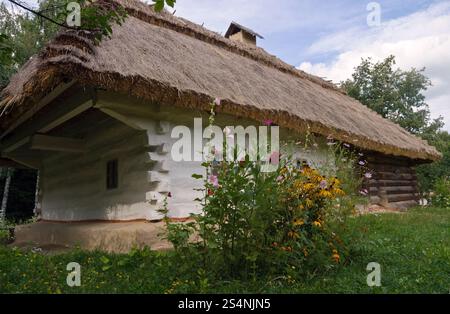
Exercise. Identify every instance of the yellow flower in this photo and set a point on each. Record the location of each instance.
(336, 258)
(298, 222)
(309, 203)
(293, 235)
(325, 193)
(317, 224)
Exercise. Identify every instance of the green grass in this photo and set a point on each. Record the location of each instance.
(413, 250)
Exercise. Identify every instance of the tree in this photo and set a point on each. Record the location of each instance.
(398, 95)
(395, 94)
(22, 35)
(8, 175)
(428, 174)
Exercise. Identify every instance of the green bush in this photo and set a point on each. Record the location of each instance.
(441, 195)
(281, 223)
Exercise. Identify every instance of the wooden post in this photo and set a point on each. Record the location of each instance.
(5, 196)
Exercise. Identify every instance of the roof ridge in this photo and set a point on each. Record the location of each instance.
(146, 13)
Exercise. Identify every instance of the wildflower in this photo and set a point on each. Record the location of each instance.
(368, 175)
(228, 132)
(323, 184)
(305, 252)
(336, 258)
(325, 193)
(361, 162)
(268, 122)
(298, 222)
(210, 192)
(280, 178)
(214, 180)
(317, 224)
(347, 145)
(217, 101)
(274, 158)
(293, 235)
(364, 192)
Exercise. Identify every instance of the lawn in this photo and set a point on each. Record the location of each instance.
(412, 248)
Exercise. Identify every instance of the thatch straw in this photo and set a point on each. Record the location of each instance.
(162, 58)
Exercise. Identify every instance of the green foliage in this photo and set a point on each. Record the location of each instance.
(256, 223)
(441, 196)
(428, 174)
(395, 94)
(398, 95)
(23, 35)
(159, 4)
(421, 236)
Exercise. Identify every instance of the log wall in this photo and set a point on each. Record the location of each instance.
(394, 181)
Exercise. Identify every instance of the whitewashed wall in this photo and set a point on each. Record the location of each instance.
(74, 185)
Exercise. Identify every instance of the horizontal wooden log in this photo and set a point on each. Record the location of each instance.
(387, 183)
(387, 161)
(395, 176)
(394, 189)
(393, 169)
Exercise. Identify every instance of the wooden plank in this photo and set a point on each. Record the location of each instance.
(43, 119)
(42, 103)
(387, 183)
(393, 169)
(395, 176)
(60, 144)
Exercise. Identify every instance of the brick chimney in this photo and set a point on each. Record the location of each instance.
(237, 32)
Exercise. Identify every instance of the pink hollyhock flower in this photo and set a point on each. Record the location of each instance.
(214, 180)
(274, 158)
(228, 132)
(217, 101)
(268, 122)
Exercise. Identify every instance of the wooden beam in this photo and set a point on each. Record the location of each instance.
(9, 163)
(78, 110)
(44, 101)
(43, 120)
(60, 144)
(17, 145)
(26, 161)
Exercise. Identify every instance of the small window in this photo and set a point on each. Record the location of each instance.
(112, 174)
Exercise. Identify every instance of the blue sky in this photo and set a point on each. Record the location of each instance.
(329, 38)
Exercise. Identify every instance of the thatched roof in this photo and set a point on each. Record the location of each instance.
(165, 59)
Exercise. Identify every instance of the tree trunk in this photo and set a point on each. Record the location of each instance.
(37, 209)
(5, 196)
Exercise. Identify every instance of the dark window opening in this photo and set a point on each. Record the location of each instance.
(112, 174)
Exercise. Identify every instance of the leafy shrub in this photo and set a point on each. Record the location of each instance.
(441, 195)
(286, 222)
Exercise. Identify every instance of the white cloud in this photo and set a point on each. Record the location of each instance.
(418, 40)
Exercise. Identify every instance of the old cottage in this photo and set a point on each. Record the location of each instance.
(96, 121)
